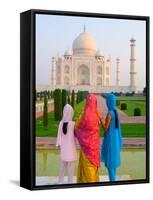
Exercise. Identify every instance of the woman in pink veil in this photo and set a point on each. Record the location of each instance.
(87, 133)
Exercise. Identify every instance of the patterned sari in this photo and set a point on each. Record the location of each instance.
(87, 133)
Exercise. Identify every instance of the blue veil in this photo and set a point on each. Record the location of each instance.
(110, 149)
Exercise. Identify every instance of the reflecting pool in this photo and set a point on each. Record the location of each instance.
(133, 163)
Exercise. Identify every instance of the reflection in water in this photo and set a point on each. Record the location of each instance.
(132, 163)
(45, 158)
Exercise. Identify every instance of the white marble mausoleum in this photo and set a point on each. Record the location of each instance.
(84, 67)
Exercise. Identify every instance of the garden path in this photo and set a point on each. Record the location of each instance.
(49, 142)
(125, 119)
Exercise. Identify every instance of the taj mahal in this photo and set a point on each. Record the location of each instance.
(84, 67)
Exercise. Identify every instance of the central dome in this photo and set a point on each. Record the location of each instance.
(84, 43)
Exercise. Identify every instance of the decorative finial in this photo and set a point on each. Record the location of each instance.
(133, 39)
(84, 28)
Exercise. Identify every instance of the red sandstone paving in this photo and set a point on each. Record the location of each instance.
(126, 141)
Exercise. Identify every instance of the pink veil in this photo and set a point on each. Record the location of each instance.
(88, 131)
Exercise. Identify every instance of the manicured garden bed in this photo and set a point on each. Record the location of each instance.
(131, 105)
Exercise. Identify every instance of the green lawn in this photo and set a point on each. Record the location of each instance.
(78, 109)
(131, 105)
(133, 130)
(128, 130)
(53, 125)
(131, 98)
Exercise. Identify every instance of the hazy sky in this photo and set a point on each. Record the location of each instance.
(55, 34)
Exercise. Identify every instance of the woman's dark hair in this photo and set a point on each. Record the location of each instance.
(65, 127)
(116, 119)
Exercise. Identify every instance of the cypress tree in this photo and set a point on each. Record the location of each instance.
(45, 113)
(48, 94)
(77, 99)
(73, 99)
(68, 99)
(63, 98)
(40, 96)
(51, 94)
(57, 104)
(36, 95)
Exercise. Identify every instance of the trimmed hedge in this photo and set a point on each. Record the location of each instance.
(137, 112)
(123, 106)
(57, 104)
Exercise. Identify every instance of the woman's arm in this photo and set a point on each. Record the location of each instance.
(106, 124)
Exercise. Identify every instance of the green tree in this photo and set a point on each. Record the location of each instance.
(144, 91)
(45, 113)
(40, 96)
(36, 93)
(64, 93)
(73, 98)
(57, 104)
(68, 99)
(49, 94)
(77, 97)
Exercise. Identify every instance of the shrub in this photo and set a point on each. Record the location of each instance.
(57, 104)
(123, 106)
(45, 112)
(137, 112)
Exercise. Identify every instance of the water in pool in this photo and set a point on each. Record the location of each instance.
(133, 163)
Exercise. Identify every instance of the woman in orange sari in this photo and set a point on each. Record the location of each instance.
(87, 133)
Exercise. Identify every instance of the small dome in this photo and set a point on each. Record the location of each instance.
(68, 52)
(84, 43)
(133, 39)
(117, 59)
(99, 53)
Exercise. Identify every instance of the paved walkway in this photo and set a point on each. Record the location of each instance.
(125, 119)
(49, 142)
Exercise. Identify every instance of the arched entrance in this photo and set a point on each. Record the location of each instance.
(83, 75)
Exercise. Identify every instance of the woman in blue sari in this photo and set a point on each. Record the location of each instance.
(110, 149)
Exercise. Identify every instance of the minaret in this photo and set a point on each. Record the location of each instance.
(84, 28)
(53, 81)
(133, 73)
(117, 72)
